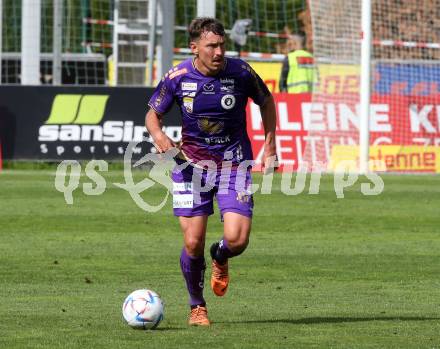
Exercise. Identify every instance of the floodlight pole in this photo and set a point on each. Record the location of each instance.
(365, 88)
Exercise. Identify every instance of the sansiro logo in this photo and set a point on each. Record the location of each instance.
(76, 117)
(77, 109)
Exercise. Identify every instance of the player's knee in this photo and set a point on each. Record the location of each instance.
(239, 244)
(194, 246)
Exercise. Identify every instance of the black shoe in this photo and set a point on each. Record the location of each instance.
(213, 249)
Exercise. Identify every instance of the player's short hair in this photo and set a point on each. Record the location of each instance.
(204, 24)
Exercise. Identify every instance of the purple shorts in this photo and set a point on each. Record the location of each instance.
(194, 190)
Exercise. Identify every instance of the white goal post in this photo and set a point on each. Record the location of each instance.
(365, 88)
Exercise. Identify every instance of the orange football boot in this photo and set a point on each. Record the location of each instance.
(199, 317)
(219, 278)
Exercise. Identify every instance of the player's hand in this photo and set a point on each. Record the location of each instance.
(163, 143)
(270, 160)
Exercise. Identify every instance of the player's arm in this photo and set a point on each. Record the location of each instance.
(262, 97)
(160, 103)
(153, 123)
(268, 114)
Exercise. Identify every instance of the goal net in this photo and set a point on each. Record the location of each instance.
(405, 76)
(86, 41)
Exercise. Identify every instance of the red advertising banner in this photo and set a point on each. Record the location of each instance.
(312, 132)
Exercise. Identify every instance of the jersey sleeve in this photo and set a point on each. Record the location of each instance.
(163, 96)
(258, 90)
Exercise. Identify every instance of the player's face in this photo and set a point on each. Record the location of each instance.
(210, 53)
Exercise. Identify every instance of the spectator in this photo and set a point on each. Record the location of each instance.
(298, 71)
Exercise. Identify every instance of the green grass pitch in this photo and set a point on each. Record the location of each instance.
(320, 272)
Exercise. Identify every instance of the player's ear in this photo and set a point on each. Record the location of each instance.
(194, 47)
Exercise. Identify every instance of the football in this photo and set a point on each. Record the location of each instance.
(143, 309)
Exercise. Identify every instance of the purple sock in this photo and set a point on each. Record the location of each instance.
(193, 270)
(223, 252)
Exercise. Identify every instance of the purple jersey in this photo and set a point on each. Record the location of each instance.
(213, 108)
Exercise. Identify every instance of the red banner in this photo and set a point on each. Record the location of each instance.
(308, 131)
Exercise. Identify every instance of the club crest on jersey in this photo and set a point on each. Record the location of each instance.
(188, 103)
(228, 102)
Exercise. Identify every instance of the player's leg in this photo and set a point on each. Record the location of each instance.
(192, 264)
(193, 209)
(236, 231)
(236, 205)
(192, 260)
(235, 239)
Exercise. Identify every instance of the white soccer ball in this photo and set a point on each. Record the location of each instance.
(143, 309)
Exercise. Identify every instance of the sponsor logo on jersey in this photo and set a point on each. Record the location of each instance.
(228, 102)
(189, 94)
(188, 103)
(208, 89)
(227, 89)
(209, 126)
(159, 98)
(183, 201)
(227, 86)
(189, 86)
(184, 186)
(218, 140)
(227, 81)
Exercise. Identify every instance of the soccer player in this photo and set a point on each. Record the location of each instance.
(211, 91)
